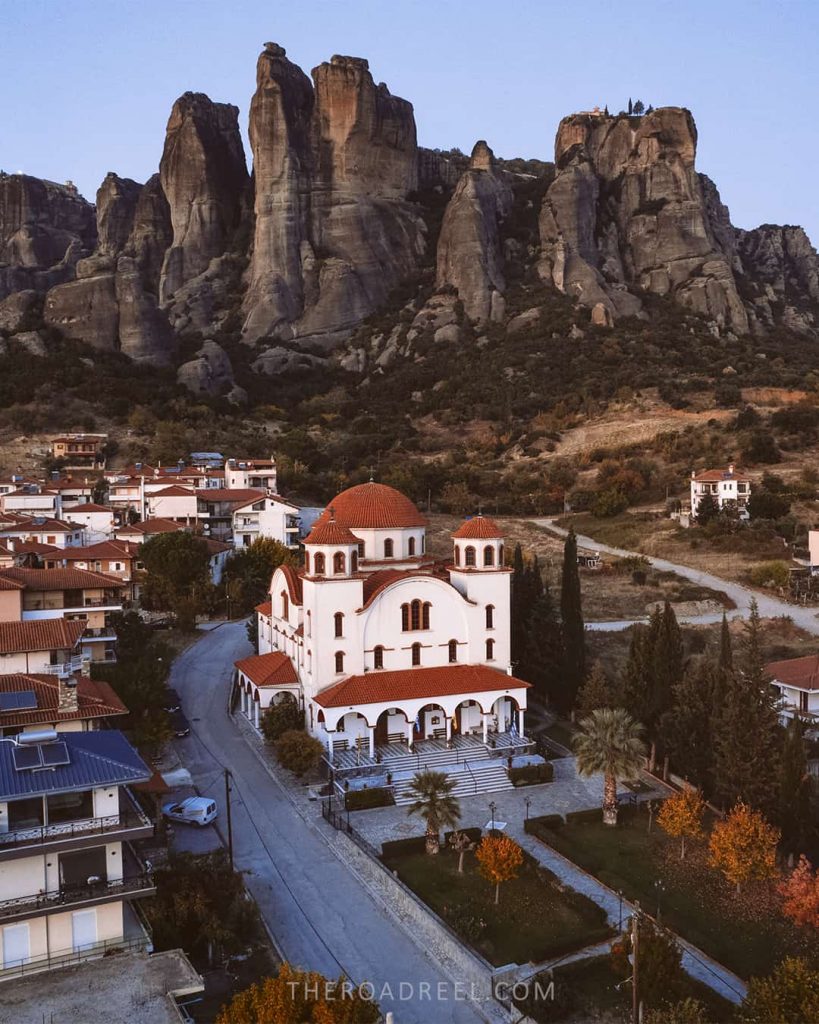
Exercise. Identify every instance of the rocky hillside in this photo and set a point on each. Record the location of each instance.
(349, 246)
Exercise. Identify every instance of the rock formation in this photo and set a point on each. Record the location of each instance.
(470, 255)
(334, 163)
(782, 270)
(204, 176)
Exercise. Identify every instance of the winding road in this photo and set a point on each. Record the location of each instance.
(769, 607)
(319, 912)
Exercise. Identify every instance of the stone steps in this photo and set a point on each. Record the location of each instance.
(484, 777)
(432, 759)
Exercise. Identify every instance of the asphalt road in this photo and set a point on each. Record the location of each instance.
(320, 914)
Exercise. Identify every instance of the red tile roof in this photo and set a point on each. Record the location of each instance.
(150, 526)
(378, 581)
(478, 528)
(715, 475)
(273, 669)
(271, 497)
(293, 580)
(95, 699)
(90, 506)
(803, 673)
(37, 524)
(216, 547)
(265, 608)
(34, 547)
(330, 532)
(61, 579)
(110, 549)
(39, 635)
(173, 491)
(372, 506)
(239, 495)
(413, 683)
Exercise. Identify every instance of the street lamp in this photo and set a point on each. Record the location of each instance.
(492, 806)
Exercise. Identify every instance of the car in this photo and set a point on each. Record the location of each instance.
(173, 702)
(194, 810)
(180, 725)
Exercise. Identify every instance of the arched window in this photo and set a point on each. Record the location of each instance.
(285, 604)
(318, 563)
(388, 548)
(339, 661)
(453, 650)
(488, 555)
(469, 555)
(415, 614)
(309, 623)
(307, 561)
(416, 654)
(354, 562)
(405, 618)
(457, 554)
(411, 546)
(500, 554)
(490, 650)
(425, 615)
(378, 657)
(338, 622)
(339, 563)
(361, 549)
(490, 616)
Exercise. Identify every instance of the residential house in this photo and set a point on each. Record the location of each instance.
(80, 451)
(73, 490)
(138, 533)
(68, 871)
(39, 645)
(16, 529)
(98, 521)
(62, 700)
(218, 553)
(33, 500)
(730, 488)
(173, 502)
(813, 548)
(266, 516)
(259, 474)
(215, 508)
(119, 558)
(797, 680)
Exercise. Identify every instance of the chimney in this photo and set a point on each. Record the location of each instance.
(731, 468)
(67, 700)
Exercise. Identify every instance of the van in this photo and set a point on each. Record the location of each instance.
(195, 810)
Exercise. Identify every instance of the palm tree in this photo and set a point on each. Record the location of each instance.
(610, 742)
(436, 805)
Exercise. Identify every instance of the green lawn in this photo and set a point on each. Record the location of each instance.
(534, 920)
(695, 902)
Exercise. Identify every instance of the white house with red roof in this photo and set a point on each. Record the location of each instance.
(268, 515)
(797, 680)
(392, 652)
(730, 488)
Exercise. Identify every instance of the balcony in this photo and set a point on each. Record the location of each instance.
(78, 664)
(130, 823)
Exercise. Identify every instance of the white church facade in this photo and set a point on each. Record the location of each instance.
(381, 644)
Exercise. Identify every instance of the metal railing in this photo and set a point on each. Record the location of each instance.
(58, 832)
(71, 894)
(64, 958)
(79, 663)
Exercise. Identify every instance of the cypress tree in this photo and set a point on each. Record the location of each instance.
(665, 667)
(634, 684)
(688, 725)
(794, 811)
(726, 653)
(571, 617)
(747, 741)
(543, 655)
(520, 609)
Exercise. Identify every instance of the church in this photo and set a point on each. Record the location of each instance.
(383, 646)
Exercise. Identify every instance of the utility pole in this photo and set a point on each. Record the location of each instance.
(635, 941)
(229, 823)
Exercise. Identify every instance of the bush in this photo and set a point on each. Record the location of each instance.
(298, 752)
(609, 503)
(578, 817)
(531, 774)
(545, 823)
(361, 799)
(770, 574)
(417, 844)
(280, 718)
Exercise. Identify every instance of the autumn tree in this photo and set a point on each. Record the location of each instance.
(743, 846)
(800, 895)
(299, 997)
(681, 816)
(789, 995)
(499, 860)
(686, 1011)
(461, 844)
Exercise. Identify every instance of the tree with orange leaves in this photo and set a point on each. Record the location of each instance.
(681, 815)
(499, 859)
(743, 846)
(800, 895)
(299, 997)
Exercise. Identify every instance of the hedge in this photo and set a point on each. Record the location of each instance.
(417, 844)
(593, 814)
(361, 799)
(546, 822)
(531, 774)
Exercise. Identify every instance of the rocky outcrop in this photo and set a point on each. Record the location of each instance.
(204, 177)
(627, 214)
(40, 220)
(782, 273)
(211, 373)
(470, 255)
(440, 170)
(116, 205)
(334, 163)
(18, 309)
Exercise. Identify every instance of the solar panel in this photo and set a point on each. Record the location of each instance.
(18, 700)
(26, 757)
(54, 754)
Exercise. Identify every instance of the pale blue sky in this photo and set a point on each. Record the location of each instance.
(87, 85)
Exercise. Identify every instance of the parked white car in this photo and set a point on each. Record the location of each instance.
(195, 810)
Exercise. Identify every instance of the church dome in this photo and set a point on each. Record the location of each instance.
(478, 528)
(372, 506)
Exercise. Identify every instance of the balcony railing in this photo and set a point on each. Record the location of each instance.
(68, 895)
(125, 821)
(88, 602)
(98, 632)
(79, 663)
(67, 957)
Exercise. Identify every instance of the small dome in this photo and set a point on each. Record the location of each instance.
(478, 528)
(330, 532)
(372, 506)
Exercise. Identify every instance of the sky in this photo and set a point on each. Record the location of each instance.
(89, 84)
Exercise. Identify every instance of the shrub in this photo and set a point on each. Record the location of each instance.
(397, 848)
(545, 823)
(361, 799)
(609, 503)
(578, 817)
(285, 716)
(298, 752)
(531, 774)
(770, 574)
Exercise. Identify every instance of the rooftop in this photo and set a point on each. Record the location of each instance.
(802, 673)
(60, 579)
(95, 699)
(373, 506)
(480, 527)
(39, 635)
(273, 669)
(328, 531)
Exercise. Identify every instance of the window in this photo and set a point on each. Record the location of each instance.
(405, 618)
(457, 554)
(453, 650)
(64, 807)
(354, 562)
(306, 559)
(411, 546)
(285, 605)
(388, 548)
(26, 813)
(415, 614)
(338, 621)
(361, 549)
(488, 555)
(469, 555)
(490, 650)
(339, 563)
(490, 616)
(318, 563)
(378, 657)
(425, 615)
(416, 654)
(339, 661)
(309, 623)
(500, 554)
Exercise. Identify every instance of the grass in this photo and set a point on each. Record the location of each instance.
(747, 935)
(536, 918)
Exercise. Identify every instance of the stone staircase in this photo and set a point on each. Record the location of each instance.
(483, 775)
